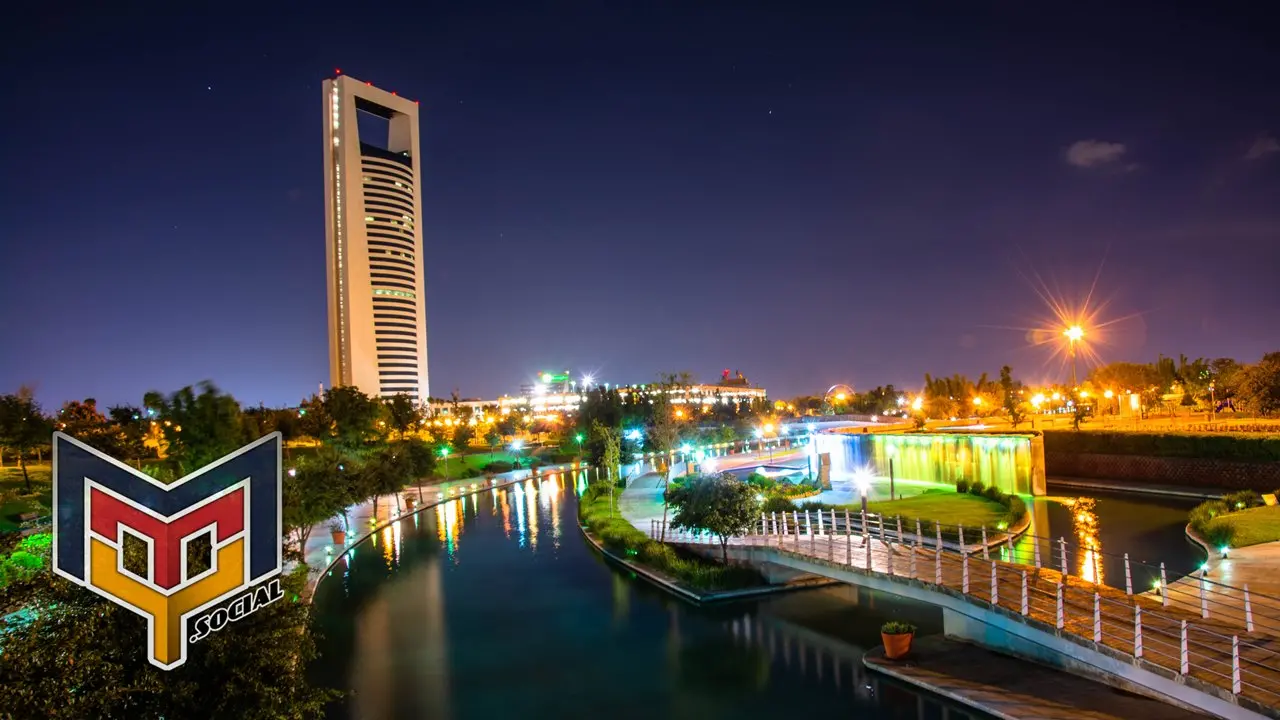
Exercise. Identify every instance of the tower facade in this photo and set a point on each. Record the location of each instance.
(373, 229)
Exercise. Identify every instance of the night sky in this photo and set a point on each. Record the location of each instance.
(817, 195)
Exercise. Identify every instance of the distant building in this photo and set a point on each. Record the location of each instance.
(373, 232)
(547, 402)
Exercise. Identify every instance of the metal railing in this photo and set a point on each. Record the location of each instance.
(1194, 626)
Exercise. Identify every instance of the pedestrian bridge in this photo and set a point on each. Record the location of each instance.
(1200, 644)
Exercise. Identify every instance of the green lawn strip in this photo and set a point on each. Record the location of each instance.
(947, 508)
(622, 538)
(1252, 526)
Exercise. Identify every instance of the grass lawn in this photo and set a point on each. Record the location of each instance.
(11, 481)
(941, 506)
(1252, 526)
(478, 461)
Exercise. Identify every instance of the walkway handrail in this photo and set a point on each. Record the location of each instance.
(1215, 639)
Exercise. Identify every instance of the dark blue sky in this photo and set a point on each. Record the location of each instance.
(814, 194)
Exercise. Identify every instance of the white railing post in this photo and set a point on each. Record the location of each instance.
(1024, 593)
(937, 565)
(964, 576)
(1185, 666)
(961, 529)
(1009, 548)
(773, 516)
(848, 540)
(985, 554)
(1204, 600)
(1235, 664)
(1164, 588)
(1097, 569)
(820, 528)
(1137, 631)
(1062, 545)
(995, 586)
(1061, 620)
(914, 552)
(795, 517)
(938, 542)
(813, 538)
(1128, 576)
(1097, 618)
(784, 526)
(880, 517)
(900, 530)
(888, 555)
(918, 532)
(831, 537)
(1248, 610)
(764, 525)
(865, 531)
(1037, 548)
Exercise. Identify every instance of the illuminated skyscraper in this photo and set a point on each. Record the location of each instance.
(373, 228)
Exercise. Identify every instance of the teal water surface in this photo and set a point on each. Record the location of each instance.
(494, 606)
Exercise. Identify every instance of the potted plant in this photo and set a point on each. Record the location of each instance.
(410, 501)
(896, 637)
(338, 533)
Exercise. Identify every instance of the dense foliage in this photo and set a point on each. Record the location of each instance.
(720, 504)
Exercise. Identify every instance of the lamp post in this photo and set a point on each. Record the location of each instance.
(1213, 402)
(444, 453)
(579, 438)
(1073, 335)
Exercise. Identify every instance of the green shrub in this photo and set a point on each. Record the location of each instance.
(1220, 533)
(1204, 513)
(1242, 499)
(976, 488)
(993, 493)
(962, 486)
(777, 504)
(1017, 508)
(896, 627)
(469, 472)
(498, 466)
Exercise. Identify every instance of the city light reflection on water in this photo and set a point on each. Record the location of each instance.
(428, 638)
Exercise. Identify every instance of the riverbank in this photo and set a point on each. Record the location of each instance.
(372, 516)
(1012, 688)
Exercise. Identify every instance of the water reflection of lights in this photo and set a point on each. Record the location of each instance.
(1084, 520)
(518, 501)
(388, 546)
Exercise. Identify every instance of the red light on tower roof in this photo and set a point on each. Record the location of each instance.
(393, 92)
(369, 84)
(337, 71)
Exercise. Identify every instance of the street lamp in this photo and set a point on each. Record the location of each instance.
(444, 453)
(1213, 401)
(516, 445)
(579, 438)
(1073, 335)
(862, 478)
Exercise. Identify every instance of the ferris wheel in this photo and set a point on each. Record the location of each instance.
(838, 392)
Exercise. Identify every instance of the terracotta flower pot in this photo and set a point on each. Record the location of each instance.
(339, 537)
(896, 646)
(411, 502)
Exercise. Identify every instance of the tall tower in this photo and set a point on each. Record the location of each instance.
(373, 228)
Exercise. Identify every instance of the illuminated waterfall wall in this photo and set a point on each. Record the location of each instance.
(1013, 463)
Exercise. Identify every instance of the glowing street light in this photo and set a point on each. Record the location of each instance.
(862, 478)
(977, 401)
(1073, 334)
(918, 403)
(444, 453)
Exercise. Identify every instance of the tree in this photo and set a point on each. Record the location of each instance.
(310, 493)
(1012, 401)
(82, 656)
(721, 504)
(403, 413)
(23, 427)
(354, 416)
(463, 433)
(132, 431)
(198, 427)
(1258, 386)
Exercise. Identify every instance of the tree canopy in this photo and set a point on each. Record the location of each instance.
(720, 504)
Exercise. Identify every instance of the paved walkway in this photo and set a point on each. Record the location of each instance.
(1014, 689)
(372, 515)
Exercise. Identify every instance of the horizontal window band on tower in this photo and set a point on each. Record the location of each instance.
(392, 272)
(380, 191)
(413, 365)
(395, 354)
(394, 305)
(403, 247)
(397, 373)
(374, 168)
(388, 315)
(404, 199)
(383, 284)
(378, 263)
(378, 256)
(387, 206)
(368, 152)
(378, 182)
(380, 334)
(410, 390)
(385, 324)
(388, 254)
(396, 293)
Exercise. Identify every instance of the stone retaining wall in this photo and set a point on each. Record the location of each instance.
(1188, 472)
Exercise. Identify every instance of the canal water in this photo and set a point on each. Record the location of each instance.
(494, 606)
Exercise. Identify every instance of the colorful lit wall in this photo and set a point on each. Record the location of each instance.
(1014, 462)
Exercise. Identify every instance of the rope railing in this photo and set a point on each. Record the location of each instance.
(1214, 633)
